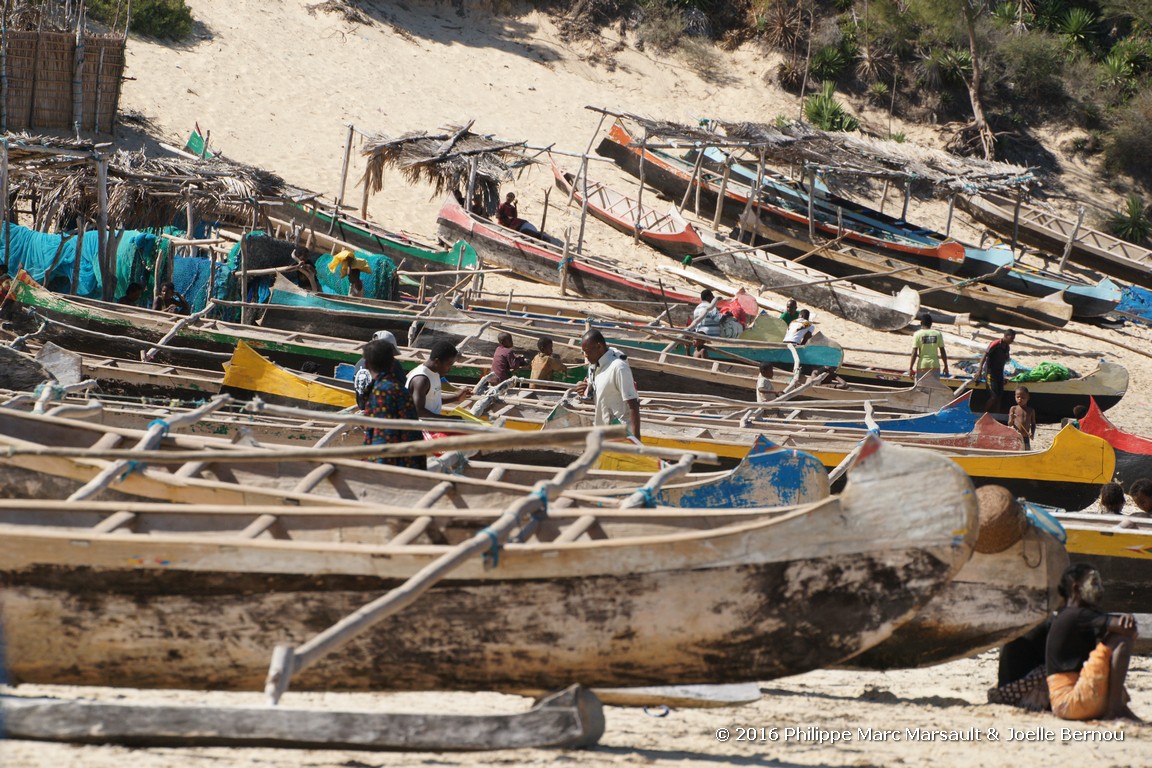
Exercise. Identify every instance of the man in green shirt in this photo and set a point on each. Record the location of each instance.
(790, 313)
(927, 349)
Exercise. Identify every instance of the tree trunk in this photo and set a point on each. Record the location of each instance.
(972, 9)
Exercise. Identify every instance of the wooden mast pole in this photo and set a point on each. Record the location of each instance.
(107, 261)
(640, 194)
(343, 176)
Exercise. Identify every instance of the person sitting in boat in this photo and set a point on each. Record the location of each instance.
(348, 265)
(424, 381)
(1088, 652)
(546, 364)
(800, 330)
(1112, 499)
(386, 397)
(132, 295)
(304, 271)
(363, 377)
(927, 349)
(505, 361)
(170, 300)
(700, 349)
(508, 216)
(765, 389)
(477, 206)
(991, 369)
(1141, 493)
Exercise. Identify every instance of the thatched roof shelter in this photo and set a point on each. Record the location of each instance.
(842, 154)
(445, 160)
(142, 191)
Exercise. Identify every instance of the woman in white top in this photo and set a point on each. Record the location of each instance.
(424, 381)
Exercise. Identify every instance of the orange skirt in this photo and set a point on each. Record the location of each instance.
(1082, 695)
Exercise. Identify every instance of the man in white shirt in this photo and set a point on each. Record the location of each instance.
(706, 318)
(611, 383)
(799, 330)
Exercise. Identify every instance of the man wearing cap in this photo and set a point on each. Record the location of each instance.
(363, 377)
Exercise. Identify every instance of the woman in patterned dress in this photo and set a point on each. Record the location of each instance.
(387, 397)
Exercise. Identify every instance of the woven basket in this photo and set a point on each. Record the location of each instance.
(1002, 519)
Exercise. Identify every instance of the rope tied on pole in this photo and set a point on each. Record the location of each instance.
(492, 556)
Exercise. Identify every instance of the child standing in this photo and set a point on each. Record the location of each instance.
(1022, 418)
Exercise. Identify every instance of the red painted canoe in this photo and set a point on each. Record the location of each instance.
(588, 275)
(787, 224)
(1133, 452)
(667, 232)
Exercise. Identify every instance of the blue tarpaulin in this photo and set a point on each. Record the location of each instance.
(51, 258)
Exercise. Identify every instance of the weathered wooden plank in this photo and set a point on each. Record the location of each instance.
(570, 718)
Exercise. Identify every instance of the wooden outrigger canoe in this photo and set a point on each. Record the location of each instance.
(1052, 233)
(1133, 452)
(667, 232)
(128, 331)
(443, 320)
(994, 599)
(769, 476)
(641, 343)
(122, 377)
(587, 275)
(1053, 400)
(248, 374)
(809, 286)
(371, 237)
(252, 373)
(1067, 474)
(944, 292)
(1122, 555)
(1088, 294)
(177, 596)
(779, 219)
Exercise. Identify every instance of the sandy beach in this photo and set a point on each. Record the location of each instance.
(277, 87)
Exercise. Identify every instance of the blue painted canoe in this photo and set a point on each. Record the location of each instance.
(768, 476)
(1090, 296)
(953, 419)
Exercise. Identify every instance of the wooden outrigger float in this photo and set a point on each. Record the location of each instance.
(571, 719)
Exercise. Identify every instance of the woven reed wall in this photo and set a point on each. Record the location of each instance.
(39, 74)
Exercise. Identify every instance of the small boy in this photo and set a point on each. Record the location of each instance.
(546, 365)
(1023, 418)
(1112, 499)
(505, 361)
(765, 391)
(1078, 413)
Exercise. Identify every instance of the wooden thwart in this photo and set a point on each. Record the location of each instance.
(287, 659)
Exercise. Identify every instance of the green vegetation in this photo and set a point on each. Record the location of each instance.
(164, 19)
(996, 69)
(1131, 222)
(826, 113)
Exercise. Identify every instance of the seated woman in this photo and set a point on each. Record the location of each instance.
(386, 397)
(170, 300)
